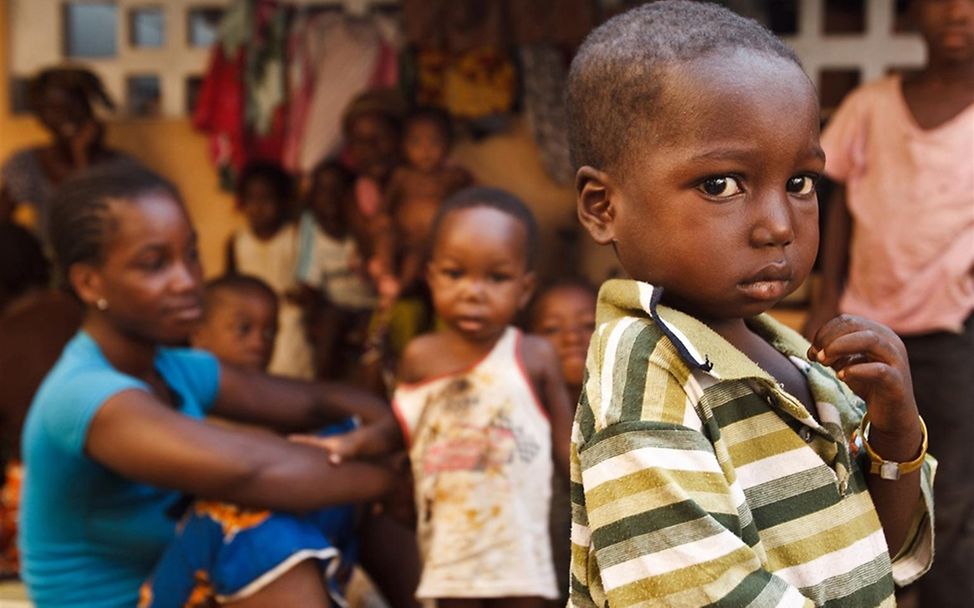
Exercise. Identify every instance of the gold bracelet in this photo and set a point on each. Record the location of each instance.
(888, 469)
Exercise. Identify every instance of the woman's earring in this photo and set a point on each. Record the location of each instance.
(101, 304)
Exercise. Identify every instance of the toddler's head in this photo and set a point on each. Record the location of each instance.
(564, 315)
(371, 125)
(330, 195)
(239, 322)
(694, 132)
(426, 139)
(484, 243)
(264, 192)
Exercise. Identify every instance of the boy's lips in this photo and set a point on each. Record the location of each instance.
(471, 324)
(769, 283)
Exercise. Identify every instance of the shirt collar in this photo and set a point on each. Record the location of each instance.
(700, 347)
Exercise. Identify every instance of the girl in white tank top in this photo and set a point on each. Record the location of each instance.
(483, 409)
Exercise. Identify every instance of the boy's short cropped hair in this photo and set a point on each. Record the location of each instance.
(241, 284)
(615, 78)
(493, 198)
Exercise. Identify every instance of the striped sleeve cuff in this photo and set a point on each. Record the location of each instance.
(916, 555)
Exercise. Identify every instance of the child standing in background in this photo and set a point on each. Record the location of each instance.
(267, 249)
(484, 411)
(899, 248)
(718, 459)
(416, 190)
(331, 264)
(564, 315)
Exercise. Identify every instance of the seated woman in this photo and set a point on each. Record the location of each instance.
(63, 100)
(115, 435)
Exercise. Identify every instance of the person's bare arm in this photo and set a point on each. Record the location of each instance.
(140, 438)
(545, 370)
(288, 405)
(872, 360)
(833, 262)
(376, 439)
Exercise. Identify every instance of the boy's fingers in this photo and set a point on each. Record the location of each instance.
(835, 327)
(871, 371)
(863, 344)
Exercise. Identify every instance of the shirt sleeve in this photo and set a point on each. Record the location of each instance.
(655, 520)
(198, 371)
(67, 414)
(844, 137)
(20, 177)
(916, 555)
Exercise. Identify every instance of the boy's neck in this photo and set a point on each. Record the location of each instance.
(734, 331)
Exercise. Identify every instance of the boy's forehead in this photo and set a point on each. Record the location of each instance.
(694, 97)
(229, 298)
(478, 224)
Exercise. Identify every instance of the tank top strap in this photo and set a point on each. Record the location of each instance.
(505, 351)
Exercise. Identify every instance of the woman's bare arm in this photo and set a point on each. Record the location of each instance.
(288, 405)
(140, 438)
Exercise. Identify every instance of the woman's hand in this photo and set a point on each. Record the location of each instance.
(379, 438)
(338, 447)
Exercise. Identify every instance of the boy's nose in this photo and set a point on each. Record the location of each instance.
(474, 289)
(774, 225)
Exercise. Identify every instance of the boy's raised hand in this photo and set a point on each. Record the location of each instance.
(872, 360)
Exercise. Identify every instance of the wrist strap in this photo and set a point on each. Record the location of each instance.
(888, 469)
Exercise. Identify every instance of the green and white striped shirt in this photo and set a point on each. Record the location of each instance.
(698, 481)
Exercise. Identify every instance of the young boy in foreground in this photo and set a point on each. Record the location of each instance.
(717, 459)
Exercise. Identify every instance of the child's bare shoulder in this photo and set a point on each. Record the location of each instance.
(421, 359)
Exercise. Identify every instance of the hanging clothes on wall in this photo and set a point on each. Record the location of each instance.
(460, 58)
(472, 85)
(220, 104)
(242, 102)
(334, 58)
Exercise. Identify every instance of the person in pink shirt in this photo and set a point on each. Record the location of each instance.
(899, 248)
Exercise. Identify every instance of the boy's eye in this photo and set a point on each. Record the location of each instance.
(152, 263)
(723, 186)
(549, 330)
(499, 277)
(802, 185)
(453, 273)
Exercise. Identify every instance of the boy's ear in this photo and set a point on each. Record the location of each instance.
(595, 209)
(86, 282)
(530, 282)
